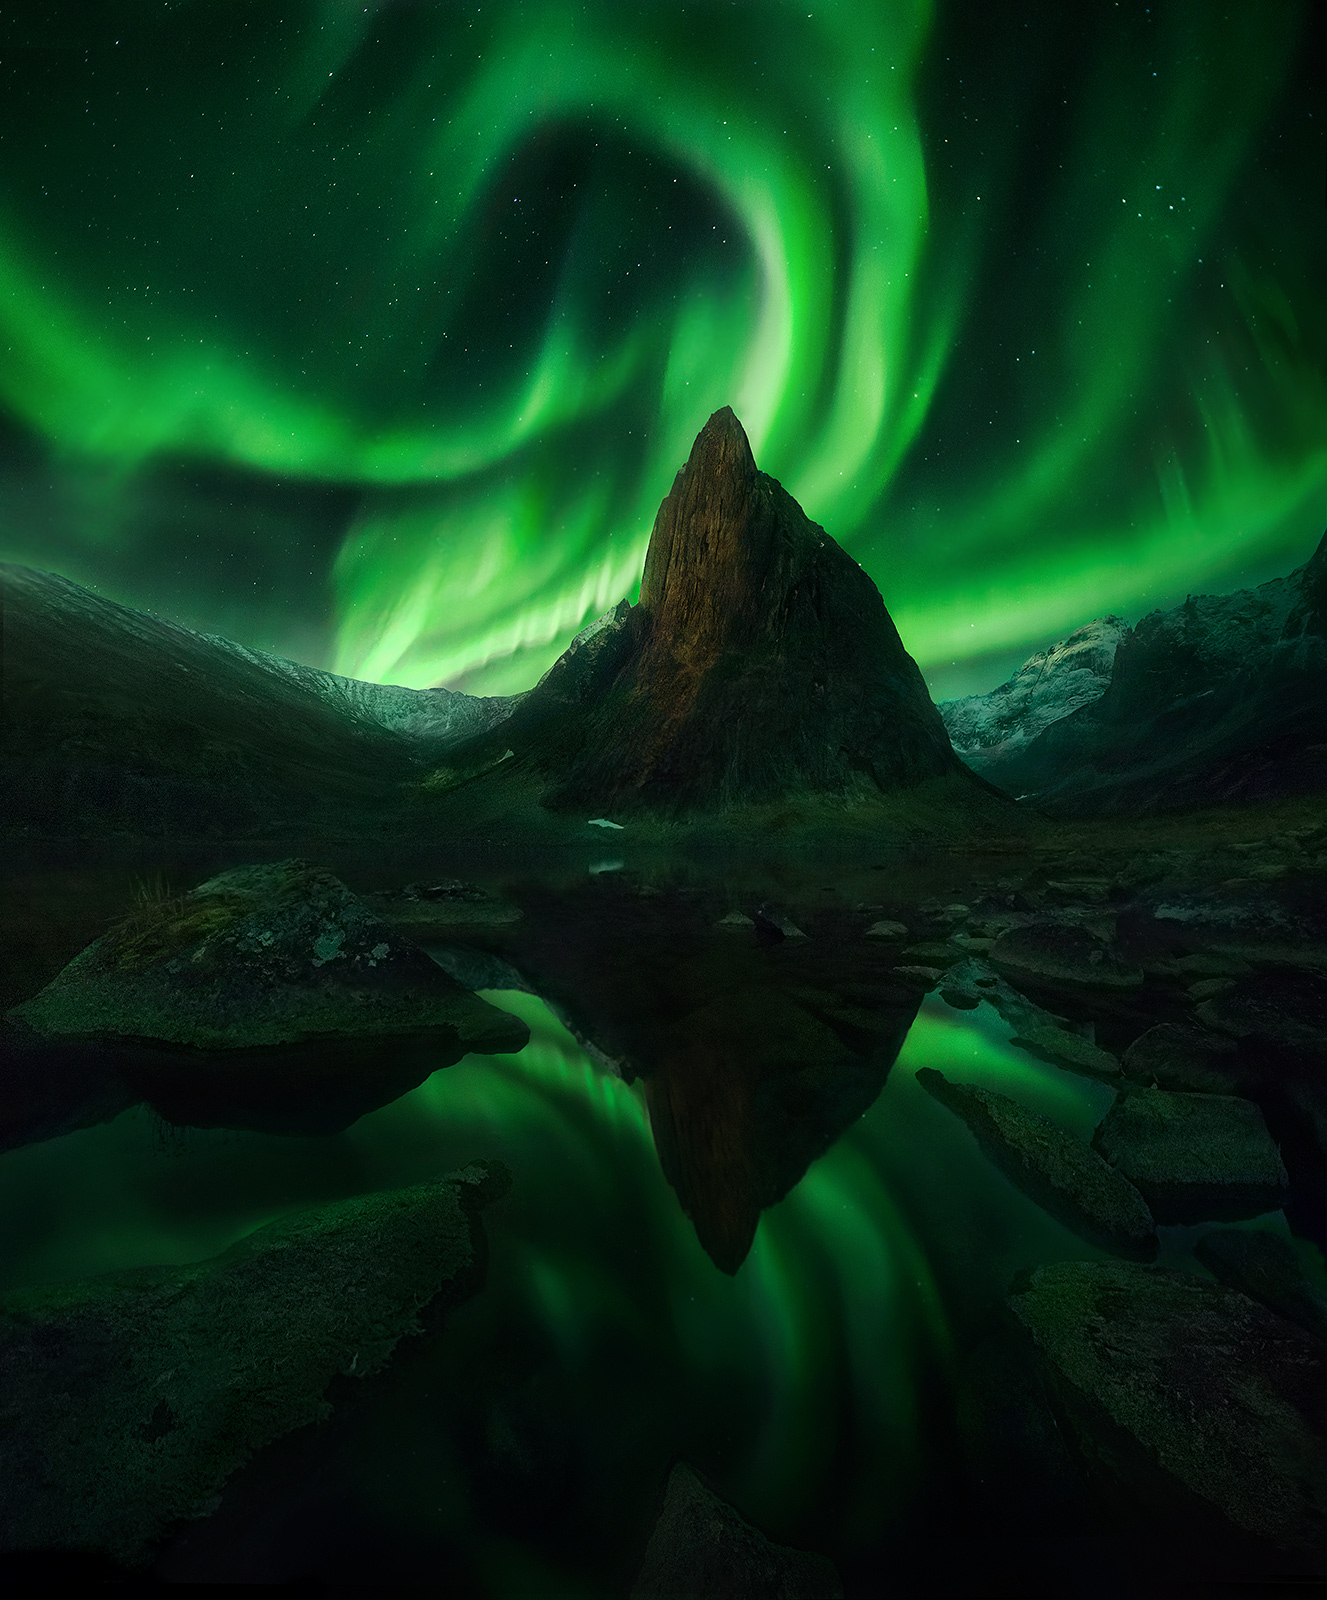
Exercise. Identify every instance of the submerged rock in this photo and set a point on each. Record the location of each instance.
(1183, 1398)
(128, 1400)
(1268, 1268)
(1064, 1176)
(701, 1549)
(1194, 1157)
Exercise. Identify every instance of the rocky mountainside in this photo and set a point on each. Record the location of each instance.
(1049, 685)
(121, 721)
(1217, 701)
(759, 665)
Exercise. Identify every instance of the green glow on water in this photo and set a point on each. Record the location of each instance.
(492, 270)
(843, 1307)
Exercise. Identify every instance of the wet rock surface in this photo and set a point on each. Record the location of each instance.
(1194, 1157)
(1183, 1399)
(1062, 1174)
(128, 1400)
(701, 1548)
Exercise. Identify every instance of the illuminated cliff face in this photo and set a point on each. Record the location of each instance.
(376, 335)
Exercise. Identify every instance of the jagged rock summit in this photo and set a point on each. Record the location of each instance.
(760, 664)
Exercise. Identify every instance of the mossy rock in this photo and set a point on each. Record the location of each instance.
(126, 1401)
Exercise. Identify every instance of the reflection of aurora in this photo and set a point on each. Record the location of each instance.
(796, 1383)
(1027, 318)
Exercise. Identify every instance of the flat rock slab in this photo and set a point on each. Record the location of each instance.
(1067, 1049)
(1267, 1268)
(128, 1400)
(1185, 1398)
(1194, 1157)
(702, 1549)
(1061, 1174)
(1177, 1055)
(262, 957)
(1063, 953)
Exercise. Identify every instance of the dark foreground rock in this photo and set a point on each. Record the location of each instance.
(1064, 1176)
(1194, 1157)
(1183, 1399)
(1063, 953)
(264, 985)
(1268, 1268)
(1177, 1055)
(1071, 1050)
(701, 1549)
(128, 1400)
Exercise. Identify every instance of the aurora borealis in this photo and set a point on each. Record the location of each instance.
(373, 335)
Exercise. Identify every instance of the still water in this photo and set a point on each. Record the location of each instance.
(524, 1445)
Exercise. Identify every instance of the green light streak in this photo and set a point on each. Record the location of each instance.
(832, 295)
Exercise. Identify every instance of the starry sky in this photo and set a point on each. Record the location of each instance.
(373, 335)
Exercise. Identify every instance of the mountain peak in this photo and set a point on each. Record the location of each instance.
(760, 663)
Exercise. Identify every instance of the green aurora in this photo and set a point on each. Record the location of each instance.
(374, 335)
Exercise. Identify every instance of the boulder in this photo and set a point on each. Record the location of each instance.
(262, 957)
(1065, 1049)
(1183, 1399)
(1288, 1009)
(1063, 953)
(269, 997)
(1194, 1157)
(701, 1549)
(1268, 1268)
(129, 1399)
(1177, 1055)
(1064, 1176)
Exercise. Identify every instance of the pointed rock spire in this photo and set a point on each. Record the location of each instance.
(759, 664)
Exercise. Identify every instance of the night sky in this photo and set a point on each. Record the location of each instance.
(374, 335)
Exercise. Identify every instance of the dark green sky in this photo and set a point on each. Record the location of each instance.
(374, 335)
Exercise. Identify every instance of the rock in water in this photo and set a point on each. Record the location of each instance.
(1194, 1157)
(260, 956)
(1265, 1267)
(265, 997)
(128, 1400)
(759, 665)
(1185, 1398)
(1061, 1174)
(701, 1549)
